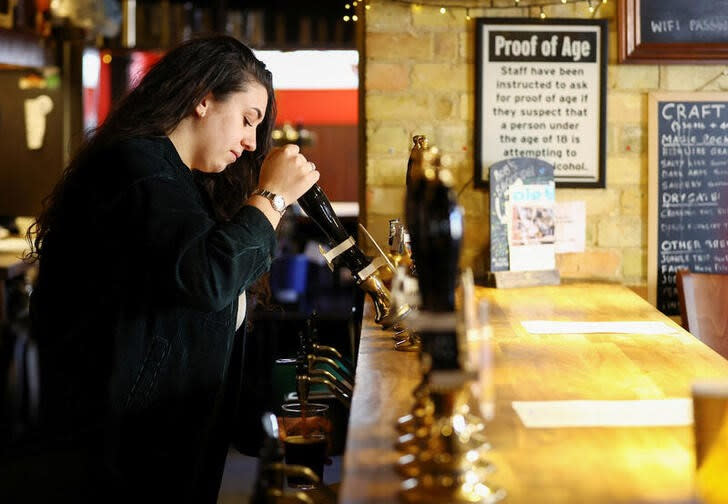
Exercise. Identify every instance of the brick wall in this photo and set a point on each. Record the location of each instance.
(419, 79)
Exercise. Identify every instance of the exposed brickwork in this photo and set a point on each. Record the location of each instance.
(420, 79)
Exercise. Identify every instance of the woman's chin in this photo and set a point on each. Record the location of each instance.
(213, 169)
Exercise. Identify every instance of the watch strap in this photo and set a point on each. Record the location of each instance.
(270, 197)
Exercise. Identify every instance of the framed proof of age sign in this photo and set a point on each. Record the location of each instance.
(672, 31)
(540, 92)
(688, 190)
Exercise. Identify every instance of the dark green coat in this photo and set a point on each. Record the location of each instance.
(134, 313)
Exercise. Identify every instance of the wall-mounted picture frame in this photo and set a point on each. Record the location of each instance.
(672, 31)
(540, 92)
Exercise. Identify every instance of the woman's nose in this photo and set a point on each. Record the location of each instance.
(248, 142)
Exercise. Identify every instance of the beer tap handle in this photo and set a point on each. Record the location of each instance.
(343, 386)
(323, 494)
(344, 251)
(345, 373)
(407, 341)
(294, 470)
(379, 249)
(309, 340)
(343, 398)
(323, 349)
(276, 494)
(318, 207)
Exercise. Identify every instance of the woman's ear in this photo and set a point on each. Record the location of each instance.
(201, 108)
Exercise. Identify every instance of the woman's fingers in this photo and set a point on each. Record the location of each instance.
(287, 172)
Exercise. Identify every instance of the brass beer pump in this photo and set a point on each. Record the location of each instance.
(422, 167)
(444, 444)
(343, 250)
(408, 340)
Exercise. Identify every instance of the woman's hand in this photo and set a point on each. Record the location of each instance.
(287, 172)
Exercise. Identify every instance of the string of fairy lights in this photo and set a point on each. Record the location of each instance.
(592, 6)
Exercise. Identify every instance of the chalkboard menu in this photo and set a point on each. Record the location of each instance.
(688, 190)
(503, 174)
(684, 21)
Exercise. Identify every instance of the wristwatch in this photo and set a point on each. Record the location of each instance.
(277, 201)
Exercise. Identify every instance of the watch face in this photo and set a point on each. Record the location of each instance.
(279, 203)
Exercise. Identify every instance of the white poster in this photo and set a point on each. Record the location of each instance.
(570, 226)
(541, 89)
(531, 227)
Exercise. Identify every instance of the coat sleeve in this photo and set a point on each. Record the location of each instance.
(181, 251)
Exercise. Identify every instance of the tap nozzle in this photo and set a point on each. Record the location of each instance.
(303, 381)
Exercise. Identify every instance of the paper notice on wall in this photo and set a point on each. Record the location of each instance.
(570, 226)
(531, 227)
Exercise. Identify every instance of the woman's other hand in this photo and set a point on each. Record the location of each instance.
(287, 172)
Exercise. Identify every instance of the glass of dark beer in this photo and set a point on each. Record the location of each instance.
(305, 431)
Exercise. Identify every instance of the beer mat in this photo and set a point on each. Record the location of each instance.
(14, 245)
(637, 413)
(621, 327)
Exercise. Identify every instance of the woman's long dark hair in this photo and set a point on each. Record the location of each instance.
(168, 93)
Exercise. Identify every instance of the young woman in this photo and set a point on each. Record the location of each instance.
(142, 261)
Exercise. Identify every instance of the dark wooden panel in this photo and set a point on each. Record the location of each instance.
(336, 154)
(26, 176)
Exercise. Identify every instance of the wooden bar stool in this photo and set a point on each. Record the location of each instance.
(704, 307)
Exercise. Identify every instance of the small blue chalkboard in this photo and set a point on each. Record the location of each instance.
(503, 174)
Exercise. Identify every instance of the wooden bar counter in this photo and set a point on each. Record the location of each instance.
(547, 465)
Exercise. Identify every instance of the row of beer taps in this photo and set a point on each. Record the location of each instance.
(310, 362)
(443, 439)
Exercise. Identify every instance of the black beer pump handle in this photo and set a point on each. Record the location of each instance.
(318, 207)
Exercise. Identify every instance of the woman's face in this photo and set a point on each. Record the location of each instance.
(224, 129)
